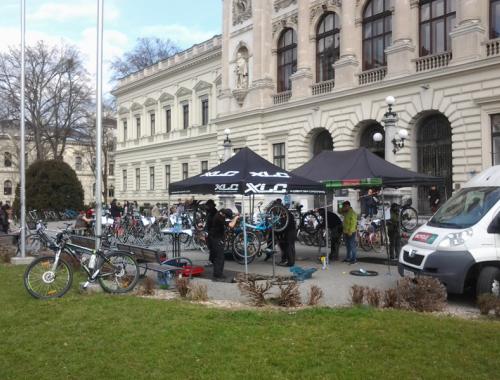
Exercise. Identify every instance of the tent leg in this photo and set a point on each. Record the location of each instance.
(327, 234)
(274, 253)
(244, 233)
(386, 237)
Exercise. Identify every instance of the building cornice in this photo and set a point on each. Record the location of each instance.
(417, 78)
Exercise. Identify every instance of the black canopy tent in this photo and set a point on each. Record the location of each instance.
(247, 173)
(360, 168)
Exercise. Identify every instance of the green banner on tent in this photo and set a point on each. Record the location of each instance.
(365, 182)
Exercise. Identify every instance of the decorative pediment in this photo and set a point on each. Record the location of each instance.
(290, 21)
(202, 85)
(183, 91)
(136, 106)
(281, 4)
(166, 97)
(122, 110)
(323, 6)
(150, 102)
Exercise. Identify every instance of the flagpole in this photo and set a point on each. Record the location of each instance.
(98, 185)
(22, 137)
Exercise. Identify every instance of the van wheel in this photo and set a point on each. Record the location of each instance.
(488, 281)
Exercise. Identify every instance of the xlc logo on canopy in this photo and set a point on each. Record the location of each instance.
(265, 174)
(233, 188)
(262, 188)
(217, 173)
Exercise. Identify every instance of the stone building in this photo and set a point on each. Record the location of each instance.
(290, 78)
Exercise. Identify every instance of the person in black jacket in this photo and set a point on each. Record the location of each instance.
(334, 232)
(434, 199)
(286, 242)
(211, 211)
(216, 236)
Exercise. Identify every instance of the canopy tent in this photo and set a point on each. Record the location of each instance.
(358, 168)
(246, 173)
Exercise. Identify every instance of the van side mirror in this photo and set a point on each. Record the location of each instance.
(494, 227)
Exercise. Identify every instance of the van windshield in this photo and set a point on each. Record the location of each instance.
(466, 207)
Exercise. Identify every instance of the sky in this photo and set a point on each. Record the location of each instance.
(187, 22)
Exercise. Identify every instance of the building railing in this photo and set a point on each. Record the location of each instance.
(323, 87)
(493, 47)
(433, 62)
(373, 75)
(282, 97)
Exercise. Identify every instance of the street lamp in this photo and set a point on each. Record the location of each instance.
(227, 144)
(227, 131)
(397, 138)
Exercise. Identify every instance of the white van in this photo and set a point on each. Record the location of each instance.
(460, 244)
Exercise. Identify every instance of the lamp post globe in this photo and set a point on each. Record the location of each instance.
(403, 134)
(390, 100)
(377, 137)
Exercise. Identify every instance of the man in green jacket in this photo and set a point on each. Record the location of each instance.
(349, 230)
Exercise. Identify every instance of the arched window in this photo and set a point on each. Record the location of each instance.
(437, 20)
(377, 33)
(369, 143)
(323, 141)
(7, 160)
(494, 19)
(7, 188)
(78, 163)
(327, 46)
(287, 59)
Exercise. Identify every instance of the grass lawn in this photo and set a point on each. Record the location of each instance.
(124, 337)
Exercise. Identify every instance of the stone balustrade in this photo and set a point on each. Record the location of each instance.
(323, 87)
(492, 47)
(433, 62)
(372, 76)
(282, 97)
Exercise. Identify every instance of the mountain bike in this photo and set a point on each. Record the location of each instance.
(50, 277)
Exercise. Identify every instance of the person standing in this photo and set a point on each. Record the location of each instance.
(334, 230)
(115, 210)
(434, 199)
(4, 218)
(394, 232)
(155, 211)
(211, 211)
(286, 242)
(349, 229)
(216, 236)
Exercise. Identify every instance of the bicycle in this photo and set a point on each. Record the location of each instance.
(50, 277)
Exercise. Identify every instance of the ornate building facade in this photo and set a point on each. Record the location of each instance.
(290, 78)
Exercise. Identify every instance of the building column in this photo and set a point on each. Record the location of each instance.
(347, 66)
(302, 79)
(470, 31)
(225, 95)
(402, 51)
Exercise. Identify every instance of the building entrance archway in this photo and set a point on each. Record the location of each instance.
(366, 139)
(322, 141)
(434, 155)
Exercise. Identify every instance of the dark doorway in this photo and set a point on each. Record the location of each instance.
(434, 156)
(322, 141)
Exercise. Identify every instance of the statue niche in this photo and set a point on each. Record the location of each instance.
(241, 68)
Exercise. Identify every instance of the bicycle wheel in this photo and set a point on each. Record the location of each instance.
(279, 217)
(33, 245)
(376, 241)
(42, 282)
(364, 241)
(310, 222)
(253, 245)
(119, 273)
(409, 219)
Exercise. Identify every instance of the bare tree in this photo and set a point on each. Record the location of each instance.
(146, 52)
(58, 95)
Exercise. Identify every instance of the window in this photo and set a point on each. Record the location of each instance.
(138, 179)
(152, 178)
(437, 20)
(125, 130)
(204, 112)
(327, 46)
(185, 171)
(111, 192)
(138, 126)
(124, 180)
(287, 59)
(377, 33)
(494, 19)
(78, 163)
(7, 188)
(152, 124)
(495, 139)
(279, 155)
(204, 166)
(168, 117)
(7, 160)
(111, 170)
(185, 116)
(167, 176)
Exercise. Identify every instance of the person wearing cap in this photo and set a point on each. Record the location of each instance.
(349, 229)
(216, 235)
